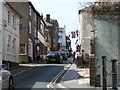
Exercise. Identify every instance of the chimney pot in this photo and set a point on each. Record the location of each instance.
(48, 17)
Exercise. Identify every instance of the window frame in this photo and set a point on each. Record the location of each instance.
(14, 21)
(24, 49)
(9, 20)
(8, 44)
(30, 11)
(30, 26)
(14, 46)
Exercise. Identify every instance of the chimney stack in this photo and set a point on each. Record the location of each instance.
(41, 15)
(48, 17)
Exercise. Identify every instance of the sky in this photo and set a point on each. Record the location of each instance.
(64, 11)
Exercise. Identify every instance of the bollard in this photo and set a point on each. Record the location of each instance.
(114, 74)
(104, 72)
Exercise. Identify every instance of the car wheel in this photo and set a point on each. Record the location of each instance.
(11, 86)
(48, 62)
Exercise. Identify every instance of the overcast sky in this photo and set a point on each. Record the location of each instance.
(65, 11)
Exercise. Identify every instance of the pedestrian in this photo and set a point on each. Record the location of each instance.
(83, 56)
(38, 56)
(74, 56)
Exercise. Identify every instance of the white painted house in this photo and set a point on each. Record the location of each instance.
(62, 38)
(86, 28)
(9, 34)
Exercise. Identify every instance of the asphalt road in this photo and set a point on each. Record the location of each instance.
(38, 76)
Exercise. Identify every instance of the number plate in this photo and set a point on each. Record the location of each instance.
(52, 59)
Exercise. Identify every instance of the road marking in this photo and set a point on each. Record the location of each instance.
(30, 68)
(57, 76)
(21, 72)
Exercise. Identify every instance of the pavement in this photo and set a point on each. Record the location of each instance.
(75, 78)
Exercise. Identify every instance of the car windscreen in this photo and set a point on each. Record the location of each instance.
(62, 52)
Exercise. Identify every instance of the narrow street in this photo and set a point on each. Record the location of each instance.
(48, 44)
(39, 76)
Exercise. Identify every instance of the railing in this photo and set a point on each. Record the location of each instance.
(106, 71)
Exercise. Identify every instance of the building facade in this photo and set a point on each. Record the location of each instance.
(86, 30)
(42, 46)
(9, 34)
(68, 44)
(105, 40)
(62, 37)
(48, 36)
(53, 30)
(31, 30)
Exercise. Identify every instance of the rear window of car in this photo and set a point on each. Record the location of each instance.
(53, 53)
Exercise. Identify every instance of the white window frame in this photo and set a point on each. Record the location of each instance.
(30, 27)
(9, 20)
(14, 21)
(30, 48)
(14, 46)
(30, 11)
(42, 29)
(29, 52)
(8, 44)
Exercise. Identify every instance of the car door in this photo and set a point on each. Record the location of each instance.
(5, 78)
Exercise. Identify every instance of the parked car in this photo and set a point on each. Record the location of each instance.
(6, 78)
(66, 50)
(54, 56)
(64, 54)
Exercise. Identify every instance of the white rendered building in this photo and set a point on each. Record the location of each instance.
(62, 37)
(9, 34)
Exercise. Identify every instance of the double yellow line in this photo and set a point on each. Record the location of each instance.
(58, 76)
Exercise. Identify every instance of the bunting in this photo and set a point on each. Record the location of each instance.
(73, 34)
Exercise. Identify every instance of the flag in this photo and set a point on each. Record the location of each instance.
(73, 34)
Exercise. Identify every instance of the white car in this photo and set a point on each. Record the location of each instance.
(6, 78)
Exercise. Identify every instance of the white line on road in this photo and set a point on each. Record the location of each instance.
(21, 72)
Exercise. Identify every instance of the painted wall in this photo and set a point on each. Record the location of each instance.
(85, 31)
(62, 37)
(12, 56)
(1, 32)
(119, 55)
(106, 44)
